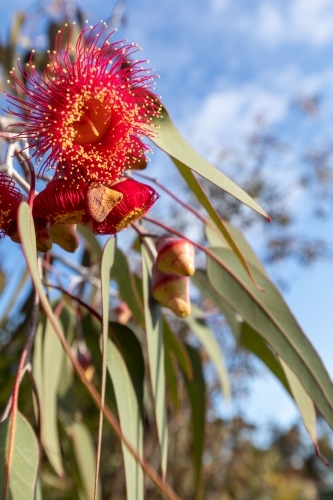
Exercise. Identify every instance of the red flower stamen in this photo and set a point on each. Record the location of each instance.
(10, 197)
(62, 202)
(91, 114)
(137, 200)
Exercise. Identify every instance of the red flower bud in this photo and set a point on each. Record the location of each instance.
(65, 236)
(172, 291)
(136, 201)
(10, 198)
(175, 255)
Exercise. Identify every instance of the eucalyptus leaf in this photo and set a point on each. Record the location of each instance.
(154, 331)
(213, 350)
(53, 357)
(85, 458)
(196, 390)
(106, 265)
(171, 142)
(267, 313)
(126, 368)
(24, 462)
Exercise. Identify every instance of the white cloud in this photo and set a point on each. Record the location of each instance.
(270, 24)
(298, 21)
(230, 113)
(220, 5)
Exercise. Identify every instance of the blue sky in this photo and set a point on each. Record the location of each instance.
(222, 63)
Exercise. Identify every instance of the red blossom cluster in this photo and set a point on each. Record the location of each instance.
(85, 117)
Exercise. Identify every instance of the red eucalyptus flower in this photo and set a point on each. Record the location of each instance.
(89, 109)
(10, 197)
(137, 200)
(62, 202)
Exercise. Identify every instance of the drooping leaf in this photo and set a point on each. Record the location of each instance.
(154, 331)
(253, 342)
(196, 390)
(171, 379)
(24, 462)
(106, 265)
(267, 313)
(174, 344)
(216, 239)
(200, 280)
(37, 366)
(171, 141)
(219, 224)
(305, 405)
(213, 350)
(127, 285)
(52, 361)
(126, 368)
(85, 458)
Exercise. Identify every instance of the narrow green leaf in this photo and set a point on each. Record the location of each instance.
(305, 405)
(53, 356)
(171, 379)
(219, 224)
(154, 331)
(106, 265)
(267, 313)
(25, 458)
(126, 368)
(172, 343)
(85, 458)
(254, 343)
(216, 239)
(171, 141)
(197, 395)
(213, 350)
(127, 285)
(37, 365)
(201, 281)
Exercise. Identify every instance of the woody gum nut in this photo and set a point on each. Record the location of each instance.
(175, 256)
(101, 200)
(65, 236)
(172, 291)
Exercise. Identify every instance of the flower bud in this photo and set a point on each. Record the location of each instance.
(65, 236)
(172, 291)
(175, 255)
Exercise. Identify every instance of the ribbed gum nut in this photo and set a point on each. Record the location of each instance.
(175, 255)
(101, 200)
(65, 236)
(172, 291)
